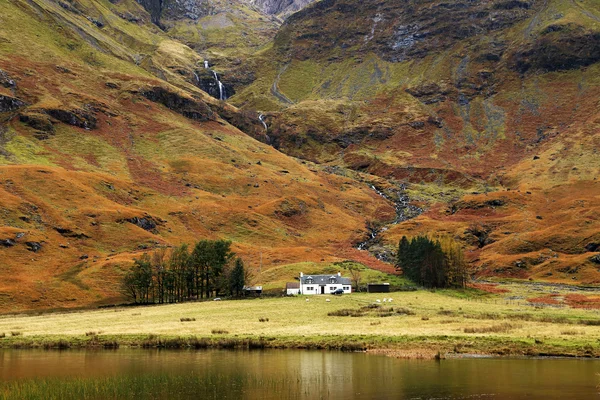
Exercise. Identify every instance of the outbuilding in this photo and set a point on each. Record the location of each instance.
(378, 287)
(252, 291)
(292, 288)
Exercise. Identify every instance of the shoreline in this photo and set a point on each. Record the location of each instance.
(405, 347)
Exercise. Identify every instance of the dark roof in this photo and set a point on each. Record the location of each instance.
(324, 279)
(292, 285)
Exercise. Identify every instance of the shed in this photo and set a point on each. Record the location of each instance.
(255, 291)
(378, 287)
(292, 288)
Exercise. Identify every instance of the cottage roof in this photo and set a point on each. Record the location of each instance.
(324, 279)
(292, 285)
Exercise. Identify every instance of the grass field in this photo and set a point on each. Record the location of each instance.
(416, 324)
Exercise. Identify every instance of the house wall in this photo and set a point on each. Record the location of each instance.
(309, 289)
(293, 292)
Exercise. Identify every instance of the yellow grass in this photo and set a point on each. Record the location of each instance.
(436, 314)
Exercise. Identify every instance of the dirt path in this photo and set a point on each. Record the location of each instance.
(275, 89)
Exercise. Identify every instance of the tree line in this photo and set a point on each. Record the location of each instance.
(432, 263)
(171, 275)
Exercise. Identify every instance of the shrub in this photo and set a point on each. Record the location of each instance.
(504, 327)
(187, 319)
(219, 332)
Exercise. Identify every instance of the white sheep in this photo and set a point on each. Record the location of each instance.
(327, 300)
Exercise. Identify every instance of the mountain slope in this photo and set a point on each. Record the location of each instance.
(100, 161)
(486, 112)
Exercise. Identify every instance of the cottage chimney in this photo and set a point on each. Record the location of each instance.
(301, 274)
(339, 274)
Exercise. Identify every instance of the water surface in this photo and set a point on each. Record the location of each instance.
(273, 374)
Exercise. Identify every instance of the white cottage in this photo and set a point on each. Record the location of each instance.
(324, 284)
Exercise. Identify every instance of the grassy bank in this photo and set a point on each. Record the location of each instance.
(419, 324)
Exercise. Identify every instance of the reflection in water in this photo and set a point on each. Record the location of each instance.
(287, 374)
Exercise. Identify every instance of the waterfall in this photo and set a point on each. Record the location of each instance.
(197, 78)
(221, 87)
(261, 118)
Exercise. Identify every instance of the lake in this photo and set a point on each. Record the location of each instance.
(281, 374)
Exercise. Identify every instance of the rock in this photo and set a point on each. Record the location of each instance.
(96, 22)
(595, 259)
(7, 242)
(69, 233)
(75, 117)
(38, 121)
(146, 223)
(84, 257)
(34, 246)
(8, 104)
(127, 16)
(562, 48)
(291, 207)
(188, 107)
(592, 247)
(429, 92)
(281, 7)
(7, 81)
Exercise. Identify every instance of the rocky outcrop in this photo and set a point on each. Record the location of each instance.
(34, 246)
(6, 80)
(560, 48)
(146, 223)
(8, 104)
(395, 31)
(281, 7)
(39, 121)
(75, 117)
(154, 8)
(176, 9)
(186, 106)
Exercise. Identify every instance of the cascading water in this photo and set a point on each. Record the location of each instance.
(221, 88)
(261, 118)
(404, 212)
(209, 87)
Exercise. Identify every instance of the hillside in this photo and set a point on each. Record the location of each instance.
(108, 150)
(125, 126)
(483, 114)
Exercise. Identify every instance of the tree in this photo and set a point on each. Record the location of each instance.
(137, 281)
(172, 275)
(430, 263)
(356, 276)
(237, 278)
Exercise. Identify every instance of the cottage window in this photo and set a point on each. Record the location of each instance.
(333, 288)
(346, 287)
(310, 280)
(332, 279)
